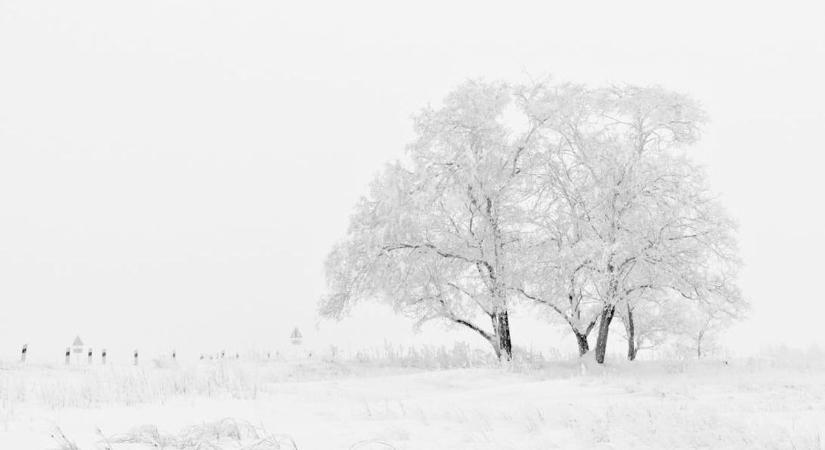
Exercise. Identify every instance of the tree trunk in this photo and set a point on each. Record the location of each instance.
(630, 327)
(604, 327)
(581, 339)
(501, 322)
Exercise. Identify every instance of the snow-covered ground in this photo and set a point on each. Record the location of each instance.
(755, 403)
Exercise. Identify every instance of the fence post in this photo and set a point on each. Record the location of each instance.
(23, 353)
(103, 356)
(90, 355)
(174, 355)
(136, 357)
(68, 355)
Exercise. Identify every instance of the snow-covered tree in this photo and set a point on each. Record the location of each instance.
(713, 302)
(635, 212)
(577, 199)
(556, 251)
(439, 234)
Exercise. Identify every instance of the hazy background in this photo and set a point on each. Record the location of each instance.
(172, 173)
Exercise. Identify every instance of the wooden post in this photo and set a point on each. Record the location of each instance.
(68, 355)
(23, 353)
(174, 355)
(103, 356)
(223, 353)
(136, 357)
(90, 355)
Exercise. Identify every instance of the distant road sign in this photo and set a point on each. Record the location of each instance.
(77, 345)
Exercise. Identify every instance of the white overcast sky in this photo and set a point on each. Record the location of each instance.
(172, 173)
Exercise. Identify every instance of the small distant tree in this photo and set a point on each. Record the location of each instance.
(690, 316)
(713, 303)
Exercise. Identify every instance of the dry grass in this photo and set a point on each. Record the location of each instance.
(221, 434)
(744, 403)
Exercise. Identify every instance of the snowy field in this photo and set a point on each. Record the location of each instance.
(747, 403)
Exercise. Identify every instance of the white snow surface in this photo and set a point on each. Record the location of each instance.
(753, 403)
